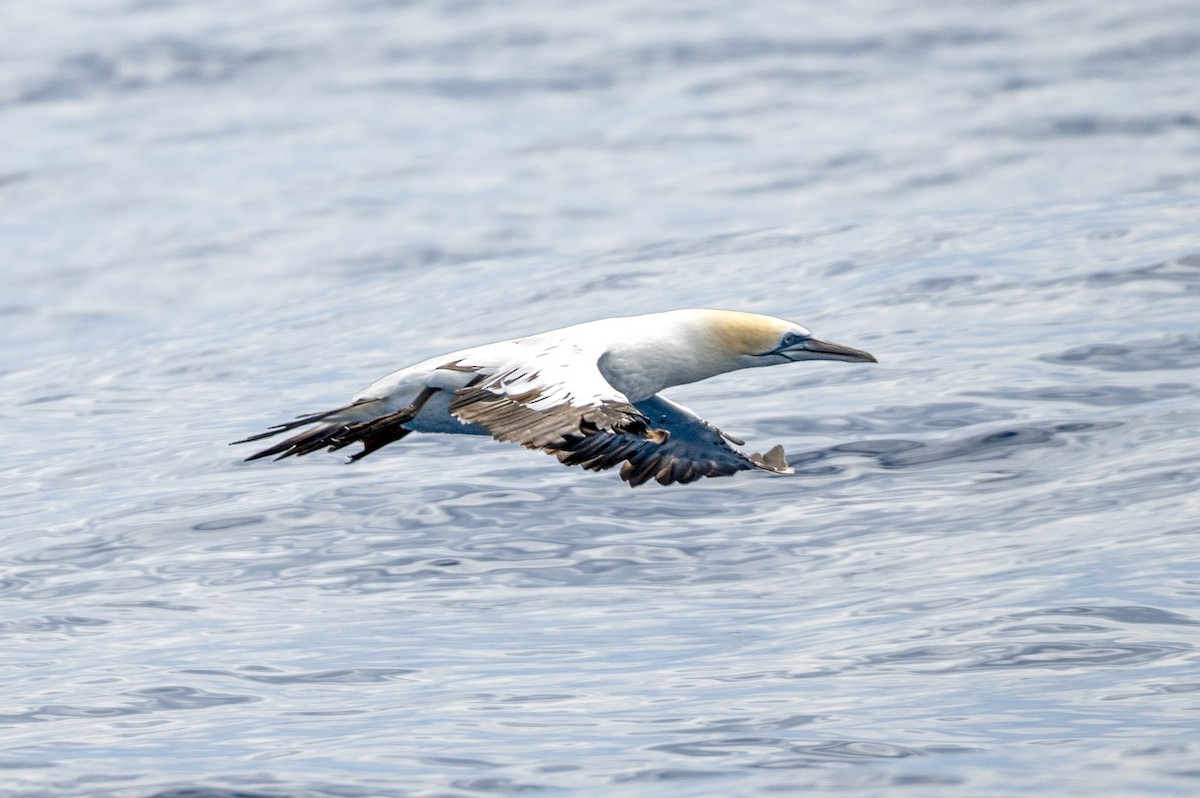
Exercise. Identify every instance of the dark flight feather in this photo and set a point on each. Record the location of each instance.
(692, 449)
(334, 435)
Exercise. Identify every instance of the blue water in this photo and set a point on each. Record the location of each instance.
(982, 581)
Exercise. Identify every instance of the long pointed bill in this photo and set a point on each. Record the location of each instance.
(813, 349)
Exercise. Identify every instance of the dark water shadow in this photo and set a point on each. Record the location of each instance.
(1037, 656)
(1131, 613)
(997, 445)
(1148, 354)
(143, 701)
(217, 792)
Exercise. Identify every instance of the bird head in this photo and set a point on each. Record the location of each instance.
(766, 341)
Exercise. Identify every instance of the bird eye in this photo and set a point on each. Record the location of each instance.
(789, 339)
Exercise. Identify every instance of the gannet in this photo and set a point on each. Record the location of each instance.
(588, 394)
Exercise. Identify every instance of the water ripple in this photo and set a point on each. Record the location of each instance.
(1169, 352)
(947, 659)
(981, 580)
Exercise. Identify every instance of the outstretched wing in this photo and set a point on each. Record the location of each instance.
(544, 399)
(693, 449)
(544, 394)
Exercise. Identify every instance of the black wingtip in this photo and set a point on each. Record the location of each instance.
(334, 435)
(272, 431)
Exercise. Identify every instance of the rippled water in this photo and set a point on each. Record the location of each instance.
(983, 579)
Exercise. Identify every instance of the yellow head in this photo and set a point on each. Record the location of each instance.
(755, 340)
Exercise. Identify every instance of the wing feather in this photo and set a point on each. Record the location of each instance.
(548, 398)
(692, 449)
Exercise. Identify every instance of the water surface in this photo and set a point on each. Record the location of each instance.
(981, 581)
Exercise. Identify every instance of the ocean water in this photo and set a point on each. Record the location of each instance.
(983, 579)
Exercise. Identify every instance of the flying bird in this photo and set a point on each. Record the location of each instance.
(588, 394)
